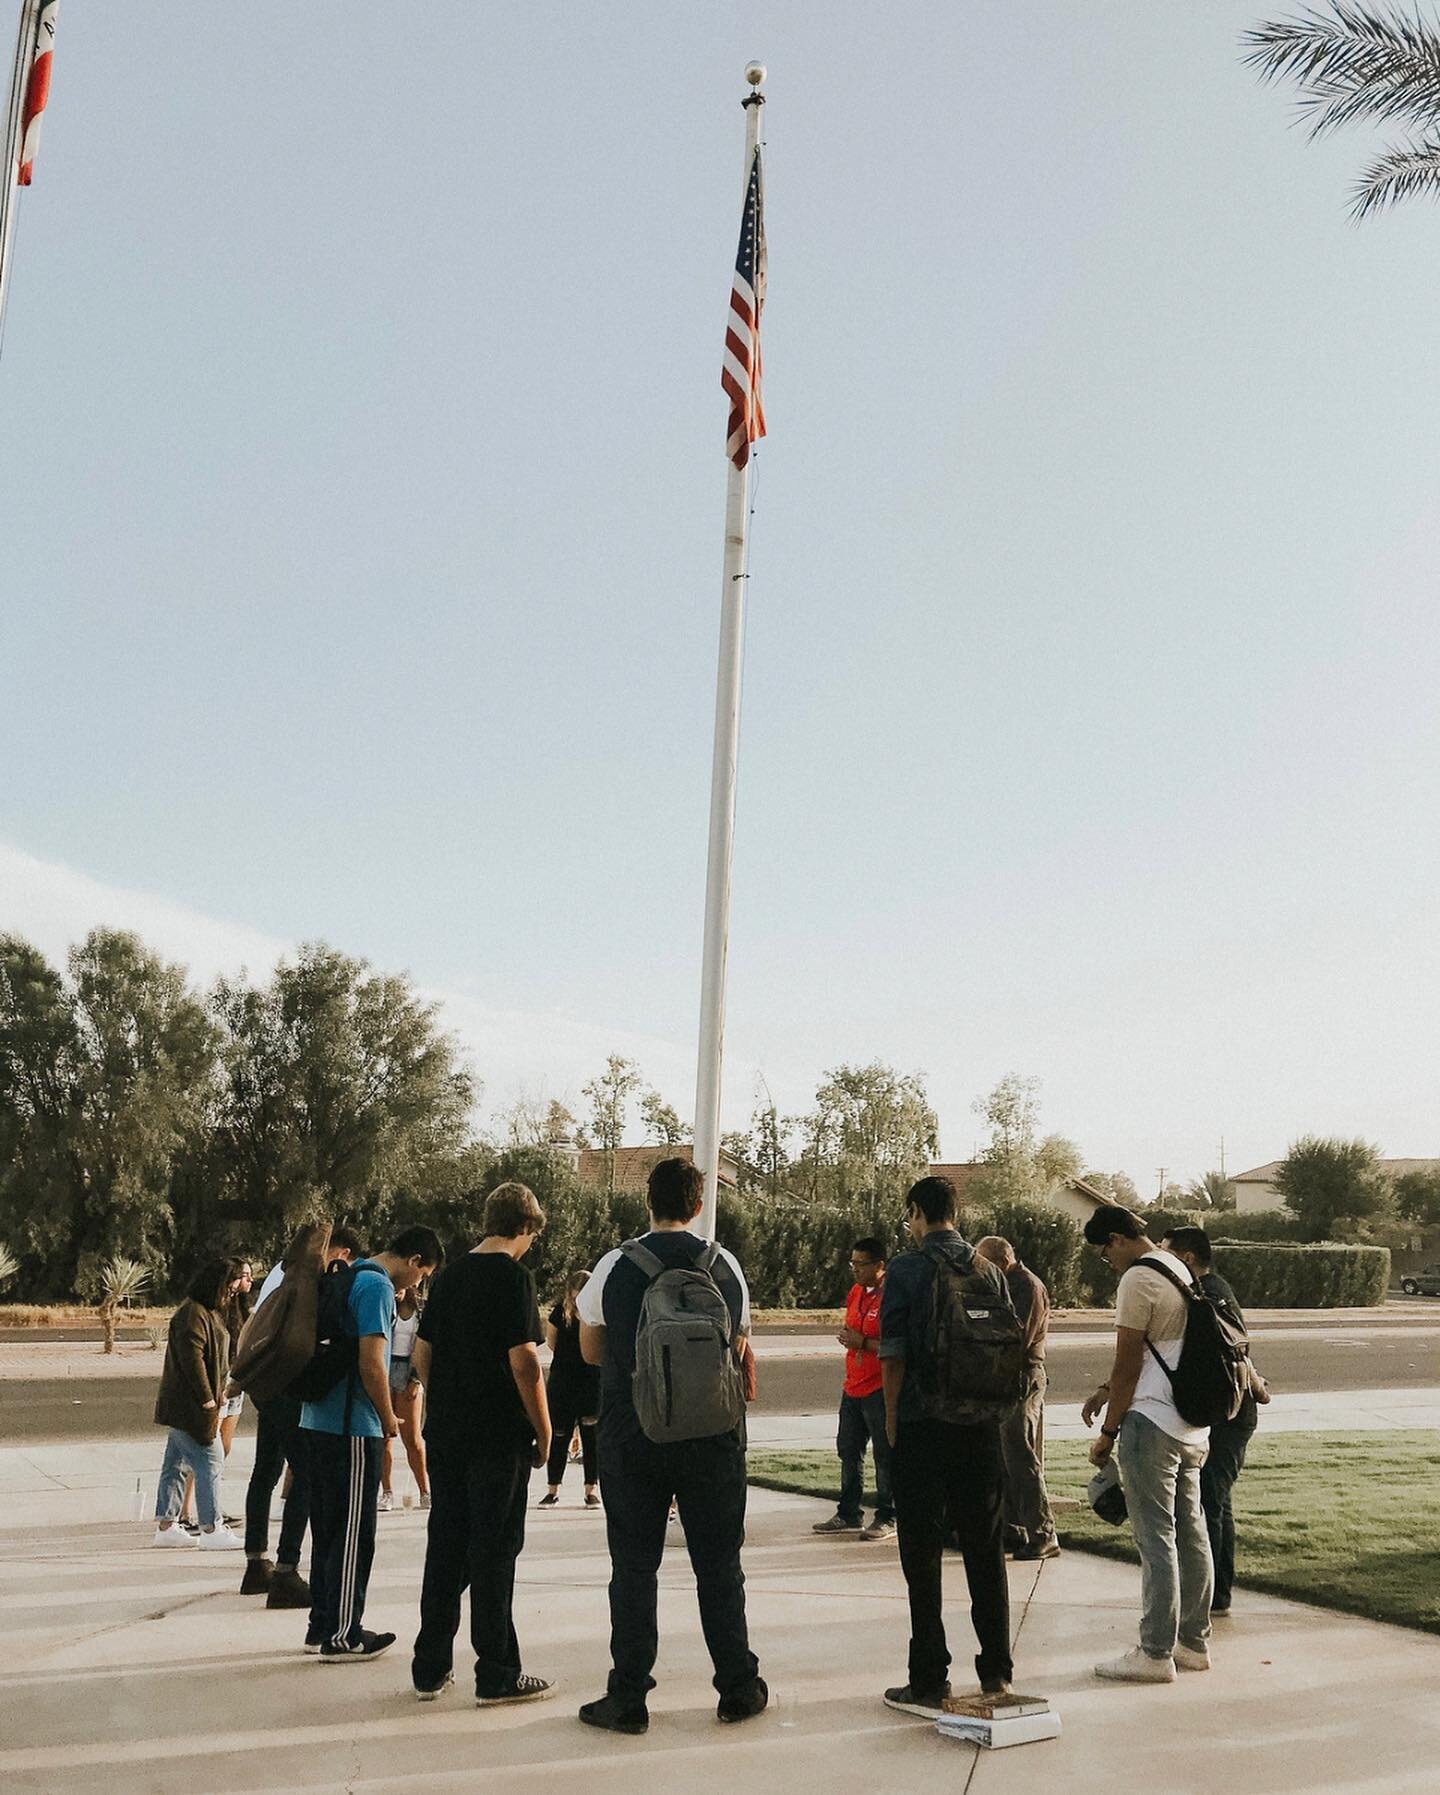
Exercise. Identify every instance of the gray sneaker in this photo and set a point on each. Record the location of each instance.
(878, 1529)
(836, 1524)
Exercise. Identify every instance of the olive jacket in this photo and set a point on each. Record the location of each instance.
(197, 1362)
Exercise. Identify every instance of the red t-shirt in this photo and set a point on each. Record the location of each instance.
(862, 1312)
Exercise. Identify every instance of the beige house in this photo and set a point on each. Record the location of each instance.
(1255, 1190)
(1076, 1198)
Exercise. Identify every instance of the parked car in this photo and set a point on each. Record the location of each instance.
(1422, 1283)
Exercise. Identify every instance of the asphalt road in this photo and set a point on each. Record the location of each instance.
(805, 1378)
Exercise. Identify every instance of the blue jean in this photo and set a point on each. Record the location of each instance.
(1162, 1493)
(862, 1419)
(185, 1457)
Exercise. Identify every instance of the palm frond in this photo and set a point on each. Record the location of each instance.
(123, 1279)
(1352, 64)
(1401, 174)
(9, 1264)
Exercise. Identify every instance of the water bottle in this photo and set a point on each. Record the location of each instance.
(137, 1502)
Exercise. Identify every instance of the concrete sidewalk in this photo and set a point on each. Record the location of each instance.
(138, 1670)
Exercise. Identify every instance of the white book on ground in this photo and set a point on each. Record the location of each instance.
(1023, 1729)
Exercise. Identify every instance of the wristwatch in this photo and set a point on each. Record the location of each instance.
(1111, 1433)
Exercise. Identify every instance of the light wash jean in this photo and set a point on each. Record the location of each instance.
(1162, 1492)
(184, 1456)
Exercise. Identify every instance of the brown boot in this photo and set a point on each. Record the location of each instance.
(288, 1589)
(258, 1573)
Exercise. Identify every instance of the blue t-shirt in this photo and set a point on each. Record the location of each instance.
(372, 1311)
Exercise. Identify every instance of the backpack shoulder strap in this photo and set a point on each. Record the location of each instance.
(706, 1261)
(642, 1258)
(1191, 1289)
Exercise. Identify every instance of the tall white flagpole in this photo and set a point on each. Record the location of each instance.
(722, 782)
(9, 174)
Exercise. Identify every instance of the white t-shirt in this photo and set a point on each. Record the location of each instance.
(402, 1337)
(590, 1303)
(271, 1284)
(1150, 1303)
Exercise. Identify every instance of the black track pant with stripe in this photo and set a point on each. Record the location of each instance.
(344, 1485)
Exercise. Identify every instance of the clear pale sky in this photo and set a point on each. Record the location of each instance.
(361, 486)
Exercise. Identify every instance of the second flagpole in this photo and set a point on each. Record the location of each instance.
(725, 755)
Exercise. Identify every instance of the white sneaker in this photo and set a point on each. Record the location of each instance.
(385, 1502)
(173, 1536)
(1137, 1667)
(1187, 1658)
(221, 1539)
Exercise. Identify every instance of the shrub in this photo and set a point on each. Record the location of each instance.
(1283, 1276)
(1045, 1239)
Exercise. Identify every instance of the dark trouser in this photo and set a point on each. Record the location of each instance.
(862, 1419)
(1028, 1520)
(947, 1477)
(344, 1483)
(477, 1528)
(278, 1438)
(567, 1409)
(706, 1478)
(1217, 1479)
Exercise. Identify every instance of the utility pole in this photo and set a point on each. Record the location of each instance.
(1160, 1172)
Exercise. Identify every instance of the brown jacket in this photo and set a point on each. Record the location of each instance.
(197, 1362)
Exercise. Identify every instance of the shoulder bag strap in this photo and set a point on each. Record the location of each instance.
(641, 1257)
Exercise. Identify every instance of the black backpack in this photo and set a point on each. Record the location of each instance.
(337, 1346)
(1213, 1373)
(972, 1361)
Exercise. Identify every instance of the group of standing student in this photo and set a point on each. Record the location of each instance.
(943, 1465)
(979, 1481)
(195, 1407)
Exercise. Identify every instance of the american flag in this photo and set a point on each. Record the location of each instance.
(37, 88)
(740, 373)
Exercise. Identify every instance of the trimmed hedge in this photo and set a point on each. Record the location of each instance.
(1277, 1276)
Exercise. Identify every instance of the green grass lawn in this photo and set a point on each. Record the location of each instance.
(1348, 1521)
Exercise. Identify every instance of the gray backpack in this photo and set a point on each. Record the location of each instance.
(687, 1383)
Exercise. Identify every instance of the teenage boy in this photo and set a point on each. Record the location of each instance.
(279, 1442)
(1228, 1439)
(862, 1401)
(639, 1478)
(1029, 1521)
(486, 1428)
(945, 1473)
(344, 1432)
(1160, 1454)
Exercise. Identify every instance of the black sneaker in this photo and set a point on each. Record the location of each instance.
(368, 1645)
(745, 1702)
(1045, 1548)
(608, 1714)
(432, 1691)
(313, 1642)
(256, 1581)
(288, 1589)
(523, 1689)
(929, 1704)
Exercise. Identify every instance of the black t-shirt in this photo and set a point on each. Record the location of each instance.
(568, 1371)
(479, 1308)
(621, 1298)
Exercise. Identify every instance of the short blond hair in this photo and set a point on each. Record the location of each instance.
(512, 1209)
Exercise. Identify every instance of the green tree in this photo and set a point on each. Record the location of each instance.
(1213, 1190)
(1115, 1187)
(1417, 1198)
(872, 1132)
(1356, 64)
(106, 1086)
(340, 1092)
(1329, 1185)
(610, 1094)
(1021, 1167)
(662, 1123)
(121, 1281)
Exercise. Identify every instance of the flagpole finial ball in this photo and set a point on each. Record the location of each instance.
(755, 73)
